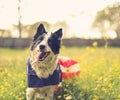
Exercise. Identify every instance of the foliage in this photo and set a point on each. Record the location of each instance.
(108, 19)
(99, 78)
(12, 74)
(4, 33)
(29, 30)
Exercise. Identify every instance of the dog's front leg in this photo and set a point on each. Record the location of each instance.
(49, 93)
(30, 94)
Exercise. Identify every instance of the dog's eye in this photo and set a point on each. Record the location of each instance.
(41, 38)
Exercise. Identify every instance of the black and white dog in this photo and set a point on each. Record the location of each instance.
(42, 66)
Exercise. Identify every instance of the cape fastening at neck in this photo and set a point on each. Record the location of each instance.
(34, 81)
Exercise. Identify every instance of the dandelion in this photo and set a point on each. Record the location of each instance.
(67, 85)
(97, 87)
(68, 98)
(113, 92)
(95, 44)
(65, 95)
(63, 47)
(118, 96)
(96, 97)
(3, 89)
(100, 78)
(11, 93)
(93, 75)
(93, 50)
(104, 89)
(110, 85)
(59, 97)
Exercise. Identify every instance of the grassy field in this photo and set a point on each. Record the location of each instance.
(99, 78)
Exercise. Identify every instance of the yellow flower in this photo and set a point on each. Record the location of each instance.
(96, 97)
(93, 50)
(68, 98)
(81, 94)
(65, 95)
(100, 78)
(97, 87)
(104, 89)
(110, 85)
(113, 92)
(118, 96)
(59, 96)
(11, 93)
(63, 47)
(95, 44)
(20, 99)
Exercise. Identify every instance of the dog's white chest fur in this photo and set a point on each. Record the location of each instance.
(44, 68)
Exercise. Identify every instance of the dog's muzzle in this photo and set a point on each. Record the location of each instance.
(43, 55)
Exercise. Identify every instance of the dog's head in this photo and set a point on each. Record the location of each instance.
(45, 47)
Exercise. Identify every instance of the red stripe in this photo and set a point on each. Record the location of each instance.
(67, 63)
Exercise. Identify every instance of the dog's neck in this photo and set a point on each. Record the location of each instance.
(45, 68)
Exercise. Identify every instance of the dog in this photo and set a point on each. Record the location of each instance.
(43, 70)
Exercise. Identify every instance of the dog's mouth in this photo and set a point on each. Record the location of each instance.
(43, 55)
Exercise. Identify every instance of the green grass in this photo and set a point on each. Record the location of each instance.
(12, 74)
(99, 78)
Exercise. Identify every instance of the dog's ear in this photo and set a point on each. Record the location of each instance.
(58, 33)
(40, 31)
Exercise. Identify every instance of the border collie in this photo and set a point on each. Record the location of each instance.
(43, 70)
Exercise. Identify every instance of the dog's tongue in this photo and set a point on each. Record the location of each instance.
(42, 54)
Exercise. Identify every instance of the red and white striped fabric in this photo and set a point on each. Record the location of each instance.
(70, 68)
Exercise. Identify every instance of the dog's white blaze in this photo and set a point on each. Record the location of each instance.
(44, 42)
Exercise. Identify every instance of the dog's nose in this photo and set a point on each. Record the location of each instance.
(42, 47)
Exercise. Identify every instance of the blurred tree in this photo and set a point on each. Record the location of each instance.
(31, 29)
(2, 32)
(5, 33)
(109, 19)
(62, 24)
